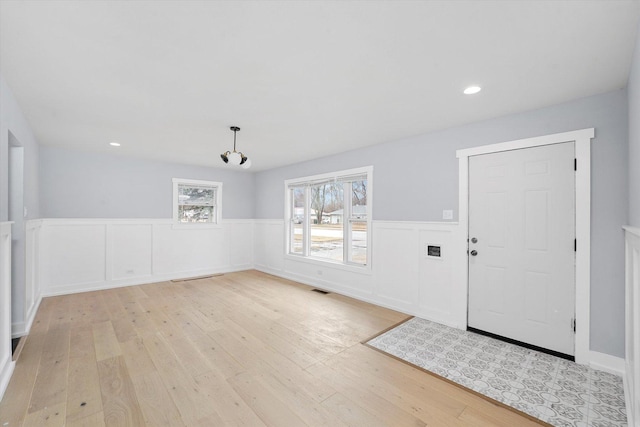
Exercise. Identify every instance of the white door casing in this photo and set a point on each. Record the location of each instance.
(521, 226)
(582, 139)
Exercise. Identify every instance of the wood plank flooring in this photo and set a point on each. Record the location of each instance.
(242, 349)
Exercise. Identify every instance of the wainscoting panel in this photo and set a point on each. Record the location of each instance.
(132, 250)
(436, 292)
(268, 245)
(6, 364)
(240, 238)
(179, 249)
(78, 255)
(395, 264)
(414, 264)
(352, 282)
(33, 297)
(75, 254)
(402, 277)
(632, 325)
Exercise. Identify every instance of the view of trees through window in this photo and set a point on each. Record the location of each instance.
(335, 213)
(196, 203)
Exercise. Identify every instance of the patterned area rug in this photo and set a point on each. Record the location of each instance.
(554, 390)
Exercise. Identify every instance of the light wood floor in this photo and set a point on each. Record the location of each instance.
(240, 349)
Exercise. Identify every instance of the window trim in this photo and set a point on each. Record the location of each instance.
(307, 181)
(218, 203)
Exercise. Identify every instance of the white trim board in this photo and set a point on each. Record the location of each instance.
(100, 286)
(582, 139)
(6, 370)
(6, 363)
(607, 363)
(371, 299)
(402, 278)
(632, 324)
(86, 255)
(21, 329)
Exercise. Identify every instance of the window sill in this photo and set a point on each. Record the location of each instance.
(359, 269)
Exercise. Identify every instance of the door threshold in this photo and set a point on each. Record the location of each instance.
(522, 344)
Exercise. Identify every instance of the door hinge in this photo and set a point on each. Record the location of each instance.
(575, 164)
(575, 245)
(573, 324)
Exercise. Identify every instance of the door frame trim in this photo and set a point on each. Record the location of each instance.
(582, 139)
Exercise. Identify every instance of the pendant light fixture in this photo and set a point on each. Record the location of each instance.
(235, 158)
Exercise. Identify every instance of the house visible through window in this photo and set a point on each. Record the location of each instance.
(329, 216)
(196, 201)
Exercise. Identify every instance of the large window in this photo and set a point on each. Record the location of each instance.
(329, 216)
(196, 201)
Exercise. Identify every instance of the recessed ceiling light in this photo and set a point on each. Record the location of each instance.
(472, 89)
(114, 144)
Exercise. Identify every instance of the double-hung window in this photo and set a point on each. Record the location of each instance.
(329, 216)
(196, 201)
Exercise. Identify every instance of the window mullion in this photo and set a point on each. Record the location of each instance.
(306, 228)
(293, 228)
(346, 223)
(290, 216)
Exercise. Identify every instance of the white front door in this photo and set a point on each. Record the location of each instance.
(521, 244)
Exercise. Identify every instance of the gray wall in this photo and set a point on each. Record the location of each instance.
(15, 130)
(634, 137)
(12, 120)
(416, 178)
(78, 184)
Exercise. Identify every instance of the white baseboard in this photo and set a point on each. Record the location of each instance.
(313, 282)
(607, 363)
(99, 286)
(33, 312)
(5, 374)
(370, 298)
(20, 329)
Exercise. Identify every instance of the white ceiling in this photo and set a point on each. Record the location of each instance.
(302, 79)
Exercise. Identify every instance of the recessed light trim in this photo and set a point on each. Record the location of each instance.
(114, 144)
(472, 90)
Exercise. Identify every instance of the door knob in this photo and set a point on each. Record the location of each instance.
(474, 252)
(474, 240)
